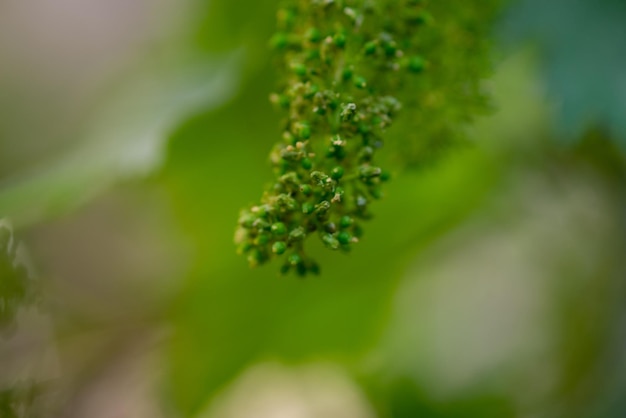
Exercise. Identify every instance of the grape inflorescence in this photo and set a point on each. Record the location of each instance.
(347, 65)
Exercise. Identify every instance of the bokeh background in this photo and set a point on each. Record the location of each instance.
(492, 282)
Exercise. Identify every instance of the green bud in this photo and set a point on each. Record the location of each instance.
(279, 247)
(346, 221)
(263, 211)
(299, 69)
(370, 48)
(322, 207)
(340, 40)
(294, 259)
(306, 190)
(337, 172)
(348, 111)
(314, 35)
(364, 128)
(279, 229)
(247, 220)
(312, 91)
(261, 224)
(344, 238)
(256, 258)
(416, 64)
(390, 49)
(360, 82)
(308, 208)
(244, 248)
(312, 54)
(367, 171)
(366, 154)
(297, 234)
(303, 130)
(262, 239)
(319, 178)
(330, 241)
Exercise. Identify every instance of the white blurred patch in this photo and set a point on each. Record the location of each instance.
(276, 391)
(479, 308)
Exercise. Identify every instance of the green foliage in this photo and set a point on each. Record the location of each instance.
(348, 69)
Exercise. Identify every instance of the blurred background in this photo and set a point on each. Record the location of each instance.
(492, 282)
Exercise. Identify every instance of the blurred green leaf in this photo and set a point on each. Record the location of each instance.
(126, 140)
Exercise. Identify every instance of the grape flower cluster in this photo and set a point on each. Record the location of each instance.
(346, 65)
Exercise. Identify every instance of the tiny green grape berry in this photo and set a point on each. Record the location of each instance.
(299, 69)
(416, 64)
(247, 220)
(262, 211)
(312, 54)
(255, 258)
(346, 221)
(308, 208)
(337, 172)
(304, 130)
(294, 259)
(340, 40)
(306, 190)
(279, 247)
(390, 49)
(283, 101)
(370, 48)
(262, 239)
(306, 163)
(360, 82)
(314, 35)
(344, 238)
(364, 128)
(279, 229)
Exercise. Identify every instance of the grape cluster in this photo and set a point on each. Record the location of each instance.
(347, 66)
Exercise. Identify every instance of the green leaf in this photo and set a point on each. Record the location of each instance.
(127, 140)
